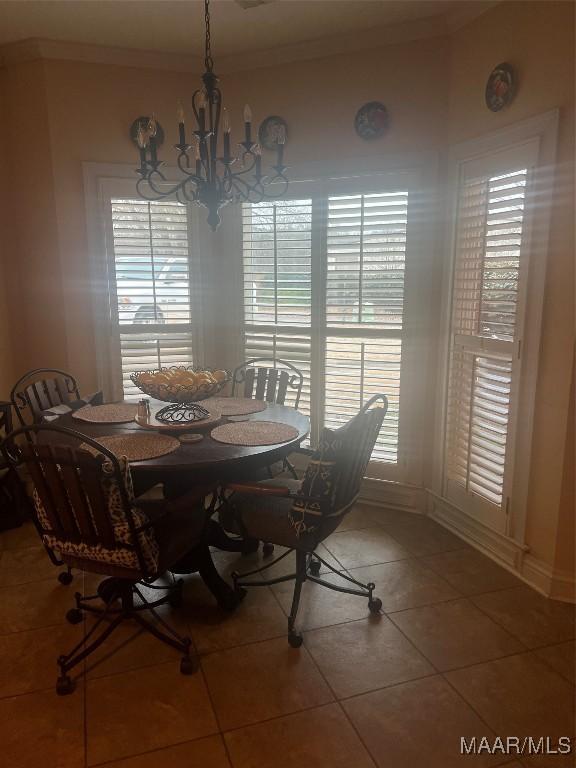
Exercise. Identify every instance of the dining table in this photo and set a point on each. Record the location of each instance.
(205, 462)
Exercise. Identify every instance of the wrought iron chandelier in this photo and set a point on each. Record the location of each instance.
(209, 179)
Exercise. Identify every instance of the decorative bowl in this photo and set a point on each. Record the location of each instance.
(180, 383)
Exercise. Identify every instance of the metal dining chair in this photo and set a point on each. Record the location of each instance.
(39, 390)
(268, 379)
(300, 516)
(85, 509)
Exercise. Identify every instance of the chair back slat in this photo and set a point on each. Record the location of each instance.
(283, 381)
(91, 481)
(272, 382)
(34, 466)
(261, 383)
(76, 493)
(271, 385)
(62, 505)
(249, 382)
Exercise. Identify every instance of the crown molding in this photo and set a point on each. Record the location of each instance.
(35, 48)
(393, 34)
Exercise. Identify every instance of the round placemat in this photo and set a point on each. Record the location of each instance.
(112, 413)
(235, 406)
(139, 447)
(254, 433)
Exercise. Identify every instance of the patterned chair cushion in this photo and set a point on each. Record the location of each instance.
(119, 556)
(320, 480)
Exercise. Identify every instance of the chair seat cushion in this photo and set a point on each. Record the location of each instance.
(269, 518)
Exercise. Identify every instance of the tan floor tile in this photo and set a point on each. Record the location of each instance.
(42, 729)
(28, 659)
(369, 546)
(228, 562)
(364, 655)
(32, 606)
(562, 658)
(26, 564)
(455, 634)
(317, 738)
(471, 572)
(145, 709)
(24, 536)
(423, 536)
(258, 617)
(533, 619)
(362, 516)
(321, 606)
(518, 696)
(201, 753)
(405, 584)
(262, 680)
(418, 724)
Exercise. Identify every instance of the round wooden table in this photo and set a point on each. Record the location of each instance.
(207, 460)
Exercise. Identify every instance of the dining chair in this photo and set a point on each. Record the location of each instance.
(13, 500)
(39, 390)
(268, 379)
(85, 509)
(300, 515)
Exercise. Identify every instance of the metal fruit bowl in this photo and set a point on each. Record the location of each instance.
(163, 384)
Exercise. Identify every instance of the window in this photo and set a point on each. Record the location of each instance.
(149, 286)
(324, 290)
(487, 310)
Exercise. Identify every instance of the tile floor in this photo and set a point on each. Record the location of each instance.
(462, 648)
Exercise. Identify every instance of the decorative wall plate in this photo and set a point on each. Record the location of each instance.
(371, 121)
(501, 87)
(271, 130)
(143, 121)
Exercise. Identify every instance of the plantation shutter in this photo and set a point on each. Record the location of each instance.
(489, 273)
(277, 257)
(149, 286)
(366, 259)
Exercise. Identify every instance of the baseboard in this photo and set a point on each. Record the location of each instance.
(507, 552)
(393, 495)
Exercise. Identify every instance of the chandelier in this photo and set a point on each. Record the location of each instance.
(211, 175)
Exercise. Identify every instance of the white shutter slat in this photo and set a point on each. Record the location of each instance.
(152, 284)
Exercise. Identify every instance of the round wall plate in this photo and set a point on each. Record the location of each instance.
(143, 120)
(501, 87)
(270, 130)
(371, 121)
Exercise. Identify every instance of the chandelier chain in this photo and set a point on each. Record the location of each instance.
(208, 62)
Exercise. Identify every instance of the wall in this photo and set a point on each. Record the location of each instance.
(538, 40)
(6, 361)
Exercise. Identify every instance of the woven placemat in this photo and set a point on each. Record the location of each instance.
(112, 413)
(235, 406)
(137, 447)
(254, 433)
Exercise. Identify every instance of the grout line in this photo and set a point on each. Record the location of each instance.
(154, 751)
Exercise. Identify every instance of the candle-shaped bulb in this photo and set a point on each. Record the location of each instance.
(141, 137)
(226, 122)
(202, 100)
(180, 112)
(152, 126)
(247, 114)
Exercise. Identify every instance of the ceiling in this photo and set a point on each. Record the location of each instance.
(177, 26)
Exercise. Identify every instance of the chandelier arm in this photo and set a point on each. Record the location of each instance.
(248, 169)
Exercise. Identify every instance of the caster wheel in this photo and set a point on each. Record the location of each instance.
(267, 549)
(375, 605)
(232, 599)
(65, 578)
(314, 567)
(186, 666)
(74, 616)
(65, 685)
(295, 640)
(107, 591)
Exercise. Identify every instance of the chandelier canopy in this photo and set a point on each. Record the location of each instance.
(215, 176)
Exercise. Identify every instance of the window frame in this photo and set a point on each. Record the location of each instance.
(537, 135)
